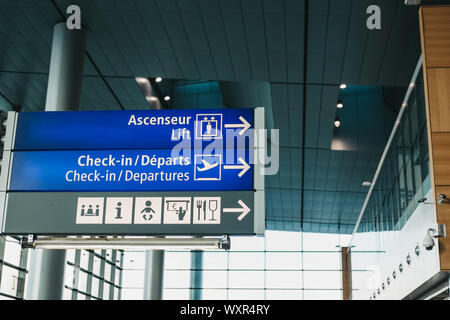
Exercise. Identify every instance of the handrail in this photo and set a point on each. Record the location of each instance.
(386, 149)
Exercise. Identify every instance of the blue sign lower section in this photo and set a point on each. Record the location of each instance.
(144, 129)
(131, 170)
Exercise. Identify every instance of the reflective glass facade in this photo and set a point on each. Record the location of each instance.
(404, 179)
(93, 275)
(282, 265)
(13, 262)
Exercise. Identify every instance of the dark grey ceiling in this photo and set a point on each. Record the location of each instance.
(298, 59)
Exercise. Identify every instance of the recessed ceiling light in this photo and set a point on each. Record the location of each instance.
(158, 79)
(167, 98)
(340, 104)
(367, 184)
(343, 86)
(337, 122)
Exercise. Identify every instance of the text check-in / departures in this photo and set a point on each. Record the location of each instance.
(129, 170)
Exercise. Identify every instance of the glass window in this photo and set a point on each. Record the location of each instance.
(246, 294)
(82, 281)
(108, 255)
(247, 243)
(117, 277)
(344, 239)
(176, 294)
(177, 279)
(12, 251)
(275, 263)
(246, 260)
(214, 294)
(97, 265)
(215, 260)
(69, 276)
(177, 260)
(246, 279)
(284, 295)
(283, 241)
(119, 256)
(106, 291)
(134, 260)
(133, 279)
(70, 255)
(107, 271)
(320, 242)
(322, 261)
(95, 286)
(284, 279)
(322, 294)
(84, 259)
(283, 260)
(81, 296)
(9, 279)
(215, 279)
(116, 293)
(322, 279)
(132, 294)
(67, 294)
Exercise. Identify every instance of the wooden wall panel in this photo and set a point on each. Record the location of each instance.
(441, 156)
(435, 39)
(439, 98)
(436, 32)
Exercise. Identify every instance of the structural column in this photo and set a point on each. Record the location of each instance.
(346, 273)
(45, 280)
(154, 273)
(435, 37)
(196, 275)
(66, 69)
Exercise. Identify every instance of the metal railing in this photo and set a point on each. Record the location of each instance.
(387, 147)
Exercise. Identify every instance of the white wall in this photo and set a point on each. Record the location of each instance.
(397, 245)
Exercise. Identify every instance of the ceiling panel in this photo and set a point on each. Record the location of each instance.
(233, 40)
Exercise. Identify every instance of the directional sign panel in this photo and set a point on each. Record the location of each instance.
(113, 130)
(134, 213)
(156, 172)
(131, 170)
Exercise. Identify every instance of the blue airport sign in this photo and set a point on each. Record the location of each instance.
(132, 170)
(120, 130)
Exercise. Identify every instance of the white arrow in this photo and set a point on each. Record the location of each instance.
(244, 209)
(244, 167)
(244, 125)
